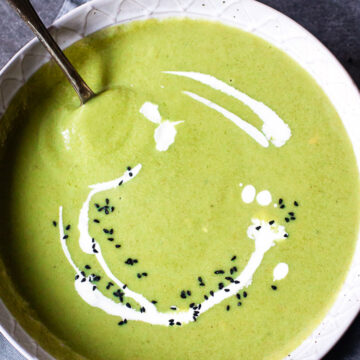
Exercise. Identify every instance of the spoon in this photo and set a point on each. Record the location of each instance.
(32, 19)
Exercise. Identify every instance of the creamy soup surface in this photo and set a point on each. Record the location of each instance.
(204, 205)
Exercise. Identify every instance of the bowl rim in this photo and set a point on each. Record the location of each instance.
(339, 317)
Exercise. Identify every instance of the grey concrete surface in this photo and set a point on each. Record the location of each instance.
(335, 22)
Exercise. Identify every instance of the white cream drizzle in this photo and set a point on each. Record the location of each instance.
(280, 271)
(165, 133)
(251, 130)
(264, 235)
(274, 128)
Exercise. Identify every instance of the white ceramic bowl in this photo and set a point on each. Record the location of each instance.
(250, 16)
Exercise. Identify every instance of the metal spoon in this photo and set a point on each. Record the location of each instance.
(31, 18)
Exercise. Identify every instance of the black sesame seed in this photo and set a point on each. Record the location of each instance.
(188, 292)
(183, 294)
(83, 280)
(226, 290)
(178, 323)
(68, 227)
(120, 323)
(121, 182)
(239, 303)
(94, 288)
(218, 272)
(280, 201)
(110, 239)
(107, 201)
(274, 287)
(286, 235)
(76, 277)
(206, 297)
(65, 237)
(229, 278)
(173, 307)
(282, 206)
(96, 221)
(128, 305)
(106, 231)
(287, 219)
(245, 294)
(95, 251)
(228, 308)
(144, 274)
(191, 305)
(154, 302)
(117, 246)
(92, 240)
(271, 222)
(296, 203)
(130, 174)
(135, 261)
(128, 168)
(293, 218)
(258, 228)
(97, 205)
(211, 293)
(200, 279)
(87, 267)
(233, 258)
(291, 213)
(112, 208)
(111, 231)
(54, 223)
(238, 296)
(124, 286)
(138, 275)
(221, 285)
(236, 282)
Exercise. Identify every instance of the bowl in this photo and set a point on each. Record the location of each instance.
(248, 15)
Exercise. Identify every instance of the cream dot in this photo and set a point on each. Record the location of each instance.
(280, 272)
(264, 198)
(248, 194)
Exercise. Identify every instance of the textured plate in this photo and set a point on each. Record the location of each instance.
(250, 16)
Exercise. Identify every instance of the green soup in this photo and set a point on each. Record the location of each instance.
(204, 205)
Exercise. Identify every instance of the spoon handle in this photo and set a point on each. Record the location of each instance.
(29, 15)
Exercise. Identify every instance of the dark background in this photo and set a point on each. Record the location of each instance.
(334, 22)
